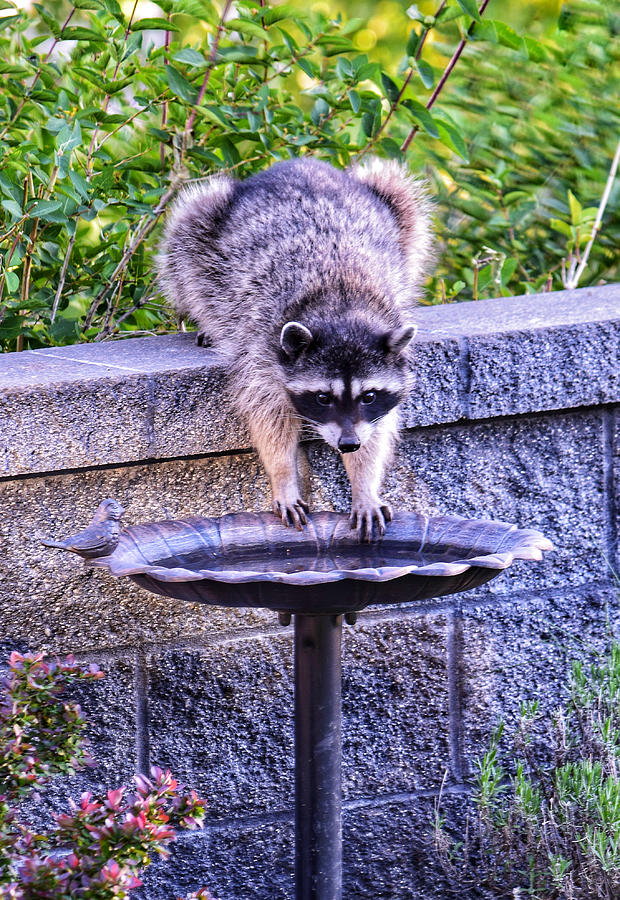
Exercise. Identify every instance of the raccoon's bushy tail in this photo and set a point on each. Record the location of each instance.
(408, 199)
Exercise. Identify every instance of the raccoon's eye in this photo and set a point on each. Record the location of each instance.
(324, 399)
(368, 397)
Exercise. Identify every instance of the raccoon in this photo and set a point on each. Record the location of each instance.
(304, 278)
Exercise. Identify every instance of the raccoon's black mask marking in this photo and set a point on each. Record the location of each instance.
(345, 410)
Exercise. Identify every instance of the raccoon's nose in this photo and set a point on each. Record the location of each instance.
(348, 445)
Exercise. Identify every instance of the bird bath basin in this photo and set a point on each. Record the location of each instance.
(319, 576)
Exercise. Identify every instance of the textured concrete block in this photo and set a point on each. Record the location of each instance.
(387, 855)
(72, 418)
(96, 404)
(222, 719)
(395, 706)
(516, 652)
(547, 351)
(437, 394)
(545, 472)
(547, 368)
(253, 862)
(612, 462)
(50, 600)
(146, 398)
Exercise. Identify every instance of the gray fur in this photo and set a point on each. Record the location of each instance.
(341, 254)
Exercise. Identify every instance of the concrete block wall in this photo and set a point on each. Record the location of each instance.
(514, 417)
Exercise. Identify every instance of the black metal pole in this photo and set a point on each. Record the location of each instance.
(318, 754)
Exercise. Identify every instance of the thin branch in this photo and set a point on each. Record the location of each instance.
(164, 107)
(203, 88)
(110, 330)
(63, 275)
(573, 279)
(427, 31)
(141, 233)
(37, 76)
(106, 100)
(446, 74)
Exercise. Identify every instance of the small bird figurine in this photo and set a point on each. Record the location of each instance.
(100, 537)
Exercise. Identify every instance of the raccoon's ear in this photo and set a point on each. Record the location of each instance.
(407, 198)
(294, 338)
(400, 338)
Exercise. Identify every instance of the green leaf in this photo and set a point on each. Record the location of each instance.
(451, 137)
(310, 68)
(508, 269)
(352, 25)
(412, 43)
(508, 37)
(535, 50)
(422, 116)
(12, 207)
(113, 7)
(68, 138)
(246, 55)
(190, 57)
(448, 13)
(11, 188)
(470, 7)
(319, 111)
(425, 71)
(370, 123)
(514, 197)
(575, 208)
(50, 21)
(80, 184)
(83, 34)
(344, 68)
(485, 277)
(277, 13)
(391, 148)
(155, 24)
(390, 89)
(354, 100)
(179, 85)
(12, 282)
(10, 20)
(216, 115)
(244, 26)
(43, 209)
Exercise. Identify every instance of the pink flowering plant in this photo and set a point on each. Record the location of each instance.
(97, 849)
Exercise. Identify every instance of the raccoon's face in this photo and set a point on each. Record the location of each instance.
(344, 384)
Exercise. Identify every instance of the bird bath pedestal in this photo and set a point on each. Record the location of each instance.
(318, 577)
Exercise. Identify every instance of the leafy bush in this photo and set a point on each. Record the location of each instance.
(97, 849)
(103, 117)
(549, 832)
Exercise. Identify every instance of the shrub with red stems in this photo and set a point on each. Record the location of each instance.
(98, 848)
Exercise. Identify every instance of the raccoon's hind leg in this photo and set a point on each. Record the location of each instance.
(365, 469)
(274, 430)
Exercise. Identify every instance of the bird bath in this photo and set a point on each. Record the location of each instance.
(318, 576)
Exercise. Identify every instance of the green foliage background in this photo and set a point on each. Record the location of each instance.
(107, 110)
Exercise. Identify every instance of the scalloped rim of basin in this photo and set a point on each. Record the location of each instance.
(509, 543)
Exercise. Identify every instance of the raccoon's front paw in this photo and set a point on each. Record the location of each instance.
(364, 515)
(292, 510)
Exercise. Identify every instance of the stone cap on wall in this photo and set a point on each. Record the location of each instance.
(163, 397)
